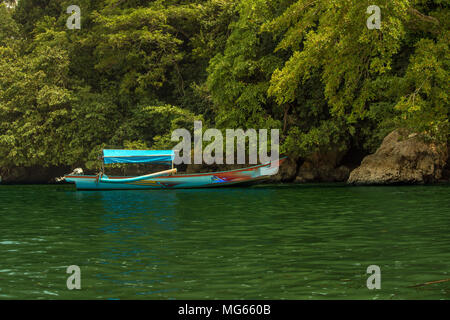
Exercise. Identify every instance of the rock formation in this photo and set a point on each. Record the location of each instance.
(323, 167)
(287, 171)
(34, 174)
(402, 158)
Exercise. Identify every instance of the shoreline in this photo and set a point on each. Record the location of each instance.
(261, 184)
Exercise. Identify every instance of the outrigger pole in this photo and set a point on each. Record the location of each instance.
(103, 163)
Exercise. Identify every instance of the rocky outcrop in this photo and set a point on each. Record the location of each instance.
(34, 174)
(402, 158)
(286, 172)
(446, 170)
(323, 167)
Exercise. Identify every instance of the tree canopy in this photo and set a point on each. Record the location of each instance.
(136, 70)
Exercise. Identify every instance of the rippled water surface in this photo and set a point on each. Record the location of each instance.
(263, 242)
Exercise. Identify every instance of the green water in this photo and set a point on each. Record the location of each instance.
(264, 242)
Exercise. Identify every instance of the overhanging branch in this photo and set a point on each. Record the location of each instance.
(423, 17)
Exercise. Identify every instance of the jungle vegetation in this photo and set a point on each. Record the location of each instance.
(138, 69)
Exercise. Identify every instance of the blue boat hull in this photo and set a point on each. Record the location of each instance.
(181, 181)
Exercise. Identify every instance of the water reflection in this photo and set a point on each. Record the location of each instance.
(151, 240)
(131, 223)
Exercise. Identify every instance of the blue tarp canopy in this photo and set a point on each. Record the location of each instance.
(138, 156)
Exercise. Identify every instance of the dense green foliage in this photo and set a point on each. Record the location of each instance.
(138, 69)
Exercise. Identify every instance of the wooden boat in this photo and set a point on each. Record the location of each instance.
(167, 179)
